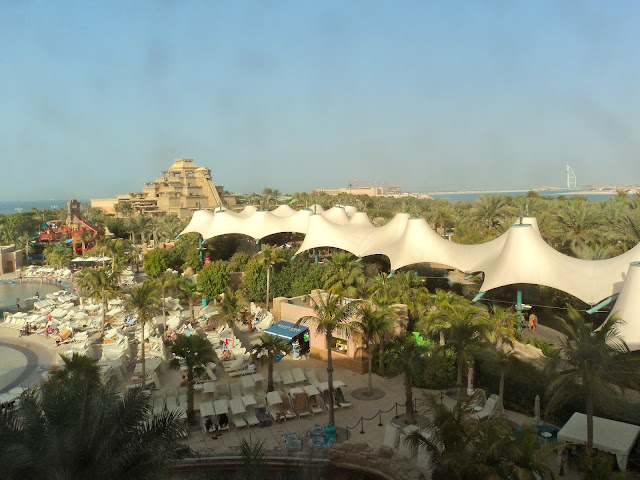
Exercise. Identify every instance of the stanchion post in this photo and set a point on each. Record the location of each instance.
(379, 418)
(361, 425)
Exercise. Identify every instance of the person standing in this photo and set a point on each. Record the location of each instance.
(533, 321)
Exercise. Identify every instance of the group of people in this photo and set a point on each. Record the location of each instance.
(221, 421)
(27, 329)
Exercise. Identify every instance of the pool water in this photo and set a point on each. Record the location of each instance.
(10, 291)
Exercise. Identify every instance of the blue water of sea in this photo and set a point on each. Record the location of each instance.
(8, 208)
(470, 197)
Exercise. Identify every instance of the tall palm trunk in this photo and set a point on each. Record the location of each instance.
(460, 378)
(408, 392)
(370, 355)
(192, 315)
(501, 393)
(164, 314)
(144, 376)
(329, 339)
(381, 355)
(268, 281)
(105, 306)
(191, 414)
(270, 372)
(589, 445)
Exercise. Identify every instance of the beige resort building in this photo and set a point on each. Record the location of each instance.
(183, 188)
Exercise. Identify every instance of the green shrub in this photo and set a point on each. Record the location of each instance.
(213, 279)
(156, 262)
(254, 282)
(239, 262)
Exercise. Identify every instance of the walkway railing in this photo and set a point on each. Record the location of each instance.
(378, 415)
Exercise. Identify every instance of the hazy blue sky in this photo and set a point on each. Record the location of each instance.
(98, 97)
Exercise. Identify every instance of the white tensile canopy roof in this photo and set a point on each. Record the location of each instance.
(256, 224)
(627, 307)
(324, 233)
(608, 435)
(527, 258)
(419, 243)
(518, 256)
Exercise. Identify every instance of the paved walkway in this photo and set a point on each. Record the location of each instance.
(348, 420)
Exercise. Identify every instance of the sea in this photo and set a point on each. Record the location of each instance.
(7, 208)
(470, 197)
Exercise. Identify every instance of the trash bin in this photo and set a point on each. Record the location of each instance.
(330, 432)
(204, 302)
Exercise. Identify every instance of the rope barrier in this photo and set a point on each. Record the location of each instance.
(532, 304)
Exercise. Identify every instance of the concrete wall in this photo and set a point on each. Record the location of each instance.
(355, 358)
(10, 259)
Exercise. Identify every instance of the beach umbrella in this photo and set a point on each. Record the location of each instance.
(536, 409)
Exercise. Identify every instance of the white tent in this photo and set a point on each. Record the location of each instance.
(337, 215)
(608, 435)
(324, 233)
(420, 244)
(627, 307)
(527, 258)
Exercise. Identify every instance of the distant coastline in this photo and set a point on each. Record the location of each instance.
(7, 208)
(472, 195)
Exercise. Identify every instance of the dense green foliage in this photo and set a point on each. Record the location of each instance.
(239, 262)
(80, 429)
(156, 262)
(213, 279)
(297, 277)
(255, 281)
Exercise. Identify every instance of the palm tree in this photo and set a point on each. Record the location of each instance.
(344, 275)
(196, 352)
(269, 257)
(330, 314)
(77, 366)
(167, 282)
(575, 223)
(144, 302)
(79, 428)
(168, 227)
(501, 326)
(591, 362)
(188, 291)
(372, 324)
(268, 349)
(463, 448)
(465, 332)
(144, 225)
(502, 359)
(231, 305)
(490, 211)
(409, 290)
(114, 248)
(435, 322)
(407, 357)
(101, 287)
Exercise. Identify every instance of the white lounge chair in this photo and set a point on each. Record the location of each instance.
(489, 408)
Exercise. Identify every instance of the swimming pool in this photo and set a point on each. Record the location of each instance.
(10, 291)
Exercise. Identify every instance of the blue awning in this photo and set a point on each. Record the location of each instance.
(286, 330)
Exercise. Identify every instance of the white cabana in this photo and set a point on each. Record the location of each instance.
(608, 435)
